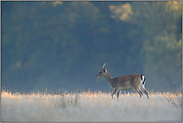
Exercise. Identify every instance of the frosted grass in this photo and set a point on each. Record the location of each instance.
(91, 106)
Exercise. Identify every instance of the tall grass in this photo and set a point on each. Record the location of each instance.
(91, 106)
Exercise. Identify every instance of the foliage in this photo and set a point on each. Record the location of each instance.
(63, 44)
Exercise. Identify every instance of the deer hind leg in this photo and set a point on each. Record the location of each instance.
(139, 91)
(144, 91)
(113, 92)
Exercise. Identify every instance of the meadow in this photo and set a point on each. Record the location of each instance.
(91, 106)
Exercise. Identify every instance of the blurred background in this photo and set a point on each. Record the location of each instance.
(61, 46)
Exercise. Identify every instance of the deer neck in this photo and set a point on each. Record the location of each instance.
(108, 79)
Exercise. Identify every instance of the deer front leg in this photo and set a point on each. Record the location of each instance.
(113, 93)
(118, 93)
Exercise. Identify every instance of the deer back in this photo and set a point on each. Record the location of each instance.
(133, 80)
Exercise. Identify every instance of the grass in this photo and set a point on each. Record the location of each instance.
(91, 106)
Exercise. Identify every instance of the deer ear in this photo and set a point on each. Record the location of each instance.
(104, 65)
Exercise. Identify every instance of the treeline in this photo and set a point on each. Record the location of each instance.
(62, 45)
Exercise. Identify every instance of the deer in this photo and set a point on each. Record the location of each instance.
(120, 83)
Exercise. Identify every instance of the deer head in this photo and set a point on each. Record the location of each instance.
(102, 72)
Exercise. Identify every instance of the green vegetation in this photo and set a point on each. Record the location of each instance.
(63, 44)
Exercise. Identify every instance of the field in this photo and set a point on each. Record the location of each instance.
(91, 106)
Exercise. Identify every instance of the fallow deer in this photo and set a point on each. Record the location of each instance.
(128, 82)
